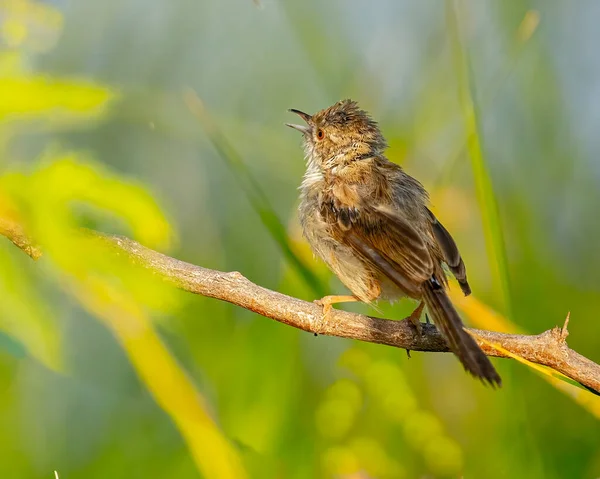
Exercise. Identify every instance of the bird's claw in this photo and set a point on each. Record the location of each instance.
(415, 319)
(416, 324)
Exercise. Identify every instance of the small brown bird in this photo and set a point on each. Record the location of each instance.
(369, 221)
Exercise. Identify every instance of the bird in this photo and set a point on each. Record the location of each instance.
(370, 222)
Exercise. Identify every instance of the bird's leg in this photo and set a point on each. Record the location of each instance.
(415, 318)
(328, 301)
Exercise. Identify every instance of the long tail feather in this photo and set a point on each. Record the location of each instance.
(459, 341)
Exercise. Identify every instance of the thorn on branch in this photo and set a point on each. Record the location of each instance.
(564, 332)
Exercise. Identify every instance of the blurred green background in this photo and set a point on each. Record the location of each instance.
(492, 104)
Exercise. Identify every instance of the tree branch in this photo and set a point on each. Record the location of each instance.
(548, 348)
(14, 232)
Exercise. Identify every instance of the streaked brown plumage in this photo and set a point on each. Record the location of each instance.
(369, 221)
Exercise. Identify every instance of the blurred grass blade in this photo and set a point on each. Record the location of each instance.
(27, 323)
(494, 237)
(25, 316)
(484, 317)
(524, 33)
(481, 315)
(579, 393)
(172, 389)
(254, 192)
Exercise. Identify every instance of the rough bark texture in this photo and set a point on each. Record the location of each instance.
(14, 232)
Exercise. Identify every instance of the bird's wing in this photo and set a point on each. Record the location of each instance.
(450, 252)
(404, 251)
(385, 239)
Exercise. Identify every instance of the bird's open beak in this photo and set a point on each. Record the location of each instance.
(305, 116)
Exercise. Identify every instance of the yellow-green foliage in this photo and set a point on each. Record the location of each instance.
(52, 200)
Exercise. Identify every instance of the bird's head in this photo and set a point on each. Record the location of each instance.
(339, 135)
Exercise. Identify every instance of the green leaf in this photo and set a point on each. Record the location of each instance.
(29, 97)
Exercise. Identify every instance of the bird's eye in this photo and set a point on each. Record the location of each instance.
(320, 134)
